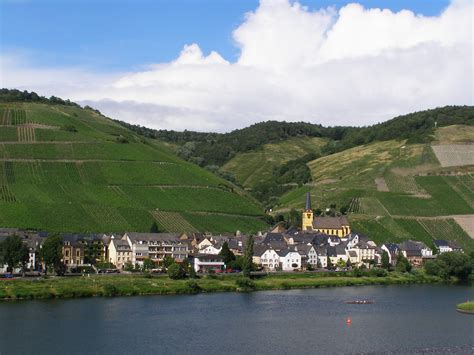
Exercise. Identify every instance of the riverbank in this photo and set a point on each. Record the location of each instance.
(130, 285)
(466, 307)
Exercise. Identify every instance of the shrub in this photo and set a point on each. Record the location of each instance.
(110, 290)
(245, 283)
(69, 128)
(377, 272)
(176, 272)
(193, 286)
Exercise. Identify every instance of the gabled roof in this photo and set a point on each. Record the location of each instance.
(392, 247)
(335, 251)
(155, 237)
(121, 245)
(260, 249)
(328, 222)
(441, 243)
(273, 237)
(285, 252)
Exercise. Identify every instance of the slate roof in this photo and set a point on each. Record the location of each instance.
(155, 237)
(121, 245)
(259, 249)
(441, 243)
(328, 222)
(336, 250)
(392, 247)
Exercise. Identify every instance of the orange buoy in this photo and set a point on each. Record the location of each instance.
(349, 321)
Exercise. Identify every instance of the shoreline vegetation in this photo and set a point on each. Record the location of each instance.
(466, 307)
(146, 284)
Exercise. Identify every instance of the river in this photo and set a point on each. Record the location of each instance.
(402, 319)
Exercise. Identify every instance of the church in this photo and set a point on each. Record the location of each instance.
(338, 225)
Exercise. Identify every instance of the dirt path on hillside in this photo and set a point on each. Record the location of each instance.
(82, 161)
(381, 184)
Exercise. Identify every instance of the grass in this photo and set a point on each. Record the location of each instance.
(130, 285)
(86, 181)
(256, 166)
(467, 307)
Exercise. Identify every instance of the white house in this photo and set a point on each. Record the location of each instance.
(270, 260)
(208, 262)
(290, 259)
(308, 254)
(210, 249)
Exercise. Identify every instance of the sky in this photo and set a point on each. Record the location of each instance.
(218, 65)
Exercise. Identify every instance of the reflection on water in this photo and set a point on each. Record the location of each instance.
(416, 318)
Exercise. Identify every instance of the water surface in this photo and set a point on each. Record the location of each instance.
(402, 319)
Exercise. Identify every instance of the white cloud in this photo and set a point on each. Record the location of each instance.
(352, 66)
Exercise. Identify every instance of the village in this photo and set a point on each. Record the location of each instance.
(325, 242)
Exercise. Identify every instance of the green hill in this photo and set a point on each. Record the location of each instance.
(251, 168)
(396, 191)
(68, 169)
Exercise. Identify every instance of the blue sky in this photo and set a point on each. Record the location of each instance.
(127, 35)
(175, 64)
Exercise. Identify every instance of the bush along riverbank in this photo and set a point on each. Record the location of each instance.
(466, 307)
(143, 284)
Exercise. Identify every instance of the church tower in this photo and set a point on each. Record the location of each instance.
(307, 218)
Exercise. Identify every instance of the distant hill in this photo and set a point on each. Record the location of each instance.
(394, 191)
(64, 168)
(411, 177)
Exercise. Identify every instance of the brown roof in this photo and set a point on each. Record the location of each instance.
(330, 222)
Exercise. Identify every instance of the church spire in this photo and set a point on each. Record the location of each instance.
(308, 201)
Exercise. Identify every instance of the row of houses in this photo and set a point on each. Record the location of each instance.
(277, 249)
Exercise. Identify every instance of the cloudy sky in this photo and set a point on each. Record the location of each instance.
(217, 65)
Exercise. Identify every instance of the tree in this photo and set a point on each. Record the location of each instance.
(385, 260)
(294, 218)
(51, 253)
(226, 254)
(92, 252)
(248, 256)
(329, 265)
(14, 253)
(309, 267)
(341, 264)
(176, 272)
(128, 266)
(148, 264)
(403, 265)
(454, 264)
(167, 262)
(154, 228)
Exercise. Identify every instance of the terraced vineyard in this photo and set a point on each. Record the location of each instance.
(422, 195)
(67, 169)
(253, 167)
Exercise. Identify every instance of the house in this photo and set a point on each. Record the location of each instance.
(275, 240)
(365, 253)
(425, 251)
(211, 249)
(73, 250)
(442, 246)
(336, 253)
(411, 251)
(321, 251)
(353, 257)
(308, 255)
(156, 246)
(290, 260)
(270, 260)
(392, 251)
(120, 252)
(258, 250)
(207, 262)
